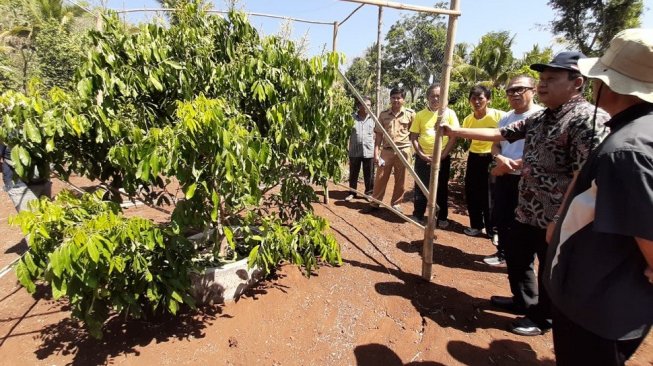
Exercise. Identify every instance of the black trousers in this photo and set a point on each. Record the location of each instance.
(355, 164)
(522, 244)
(423, 170)
(575, 345)
(476, 191)
(506, 194)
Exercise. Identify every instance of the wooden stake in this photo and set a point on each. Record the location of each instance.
(427, 250)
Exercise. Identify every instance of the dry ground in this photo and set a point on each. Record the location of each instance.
(374, 310)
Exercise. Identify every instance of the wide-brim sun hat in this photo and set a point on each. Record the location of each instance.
(627, 66)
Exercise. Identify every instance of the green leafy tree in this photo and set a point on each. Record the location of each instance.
(414, 52)
(362, 72)
(59, 54)
(205, 101)
(39, 39)
(591, 24)
(534, 56)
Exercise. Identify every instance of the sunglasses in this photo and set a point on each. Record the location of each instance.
(518, 90)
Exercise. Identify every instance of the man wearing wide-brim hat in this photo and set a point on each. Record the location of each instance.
(599, 264)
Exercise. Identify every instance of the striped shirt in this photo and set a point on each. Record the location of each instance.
(361, 141)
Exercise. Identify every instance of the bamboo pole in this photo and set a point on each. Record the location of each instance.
(401, 6)
(335, 35)
(378, 61)
(145, 10)
(350, 14)
(427, 250)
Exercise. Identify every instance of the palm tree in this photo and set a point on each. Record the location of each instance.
(494, 56)
(19, 29)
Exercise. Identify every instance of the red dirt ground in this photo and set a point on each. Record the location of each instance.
(374, 310)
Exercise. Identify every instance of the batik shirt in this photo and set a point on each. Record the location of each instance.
(557, 143)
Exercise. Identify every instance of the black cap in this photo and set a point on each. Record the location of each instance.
(563, 61)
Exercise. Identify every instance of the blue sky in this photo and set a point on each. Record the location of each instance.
(527, 19)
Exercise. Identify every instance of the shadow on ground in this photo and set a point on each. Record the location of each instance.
(500, 352)
(446, 306)
(18, 248)
(375, 354)
(451, 257)
(120, 337)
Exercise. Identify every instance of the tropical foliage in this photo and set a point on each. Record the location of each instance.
(206, 102)
(589, 25)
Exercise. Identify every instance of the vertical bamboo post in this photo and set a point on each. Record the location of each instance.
(427, 250)
(378, 61)
(335, 36)
(334, 44)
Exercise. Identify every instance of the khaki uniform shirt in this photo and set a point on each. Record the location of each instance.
(397, 126)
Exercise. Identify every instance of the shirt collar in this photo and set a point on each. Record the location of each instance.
(629, 114)
(560, 111)
(398, 113)
(357, 118)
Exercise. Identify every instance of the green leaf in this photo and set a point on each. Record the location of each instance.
(173, 306)
(229, 234)
(190, 192)
(49, 145)
(175, 295)
(253, 256)
(155, 81)
(32, 132)
(20, 155)
(29, 262)
(23, 275)
(84, 87)
(59, 288)
(92, 250)
(174, 65)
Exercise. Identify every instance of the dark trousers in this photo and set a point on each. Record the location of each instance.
(522, 244)
(423, 170)
(355, 164)
(476, 191)
(575, 345)
(506, 194)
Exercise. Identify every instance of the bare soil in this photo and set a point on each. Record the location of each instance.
(373, 310)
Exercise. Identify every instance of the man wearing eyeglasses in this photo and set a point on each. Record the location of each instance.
(557, 142)
(508, 158)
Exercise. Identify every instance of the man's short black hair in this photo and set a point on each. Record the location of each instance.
(365, 98)
(431, 87)
(397, 90)
(478, 90)
(576, 74)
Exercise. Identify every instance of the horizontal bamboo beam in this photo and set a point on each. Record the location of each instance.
(143, 10)
(401, 6)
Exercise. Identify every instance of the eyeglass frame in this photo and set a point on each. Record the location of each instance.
(513, 90)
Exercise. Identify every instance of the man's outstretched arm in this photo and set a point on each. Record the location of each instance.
(482, 134)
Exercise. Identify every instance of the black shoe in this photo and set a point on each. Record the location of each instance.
(419, 220)
(507, 304)
(369, 209)
(526, 327)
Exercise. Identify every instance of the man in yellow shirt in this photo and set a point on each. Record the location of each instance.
(478, 161)
(396, 120)
(422, 136)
